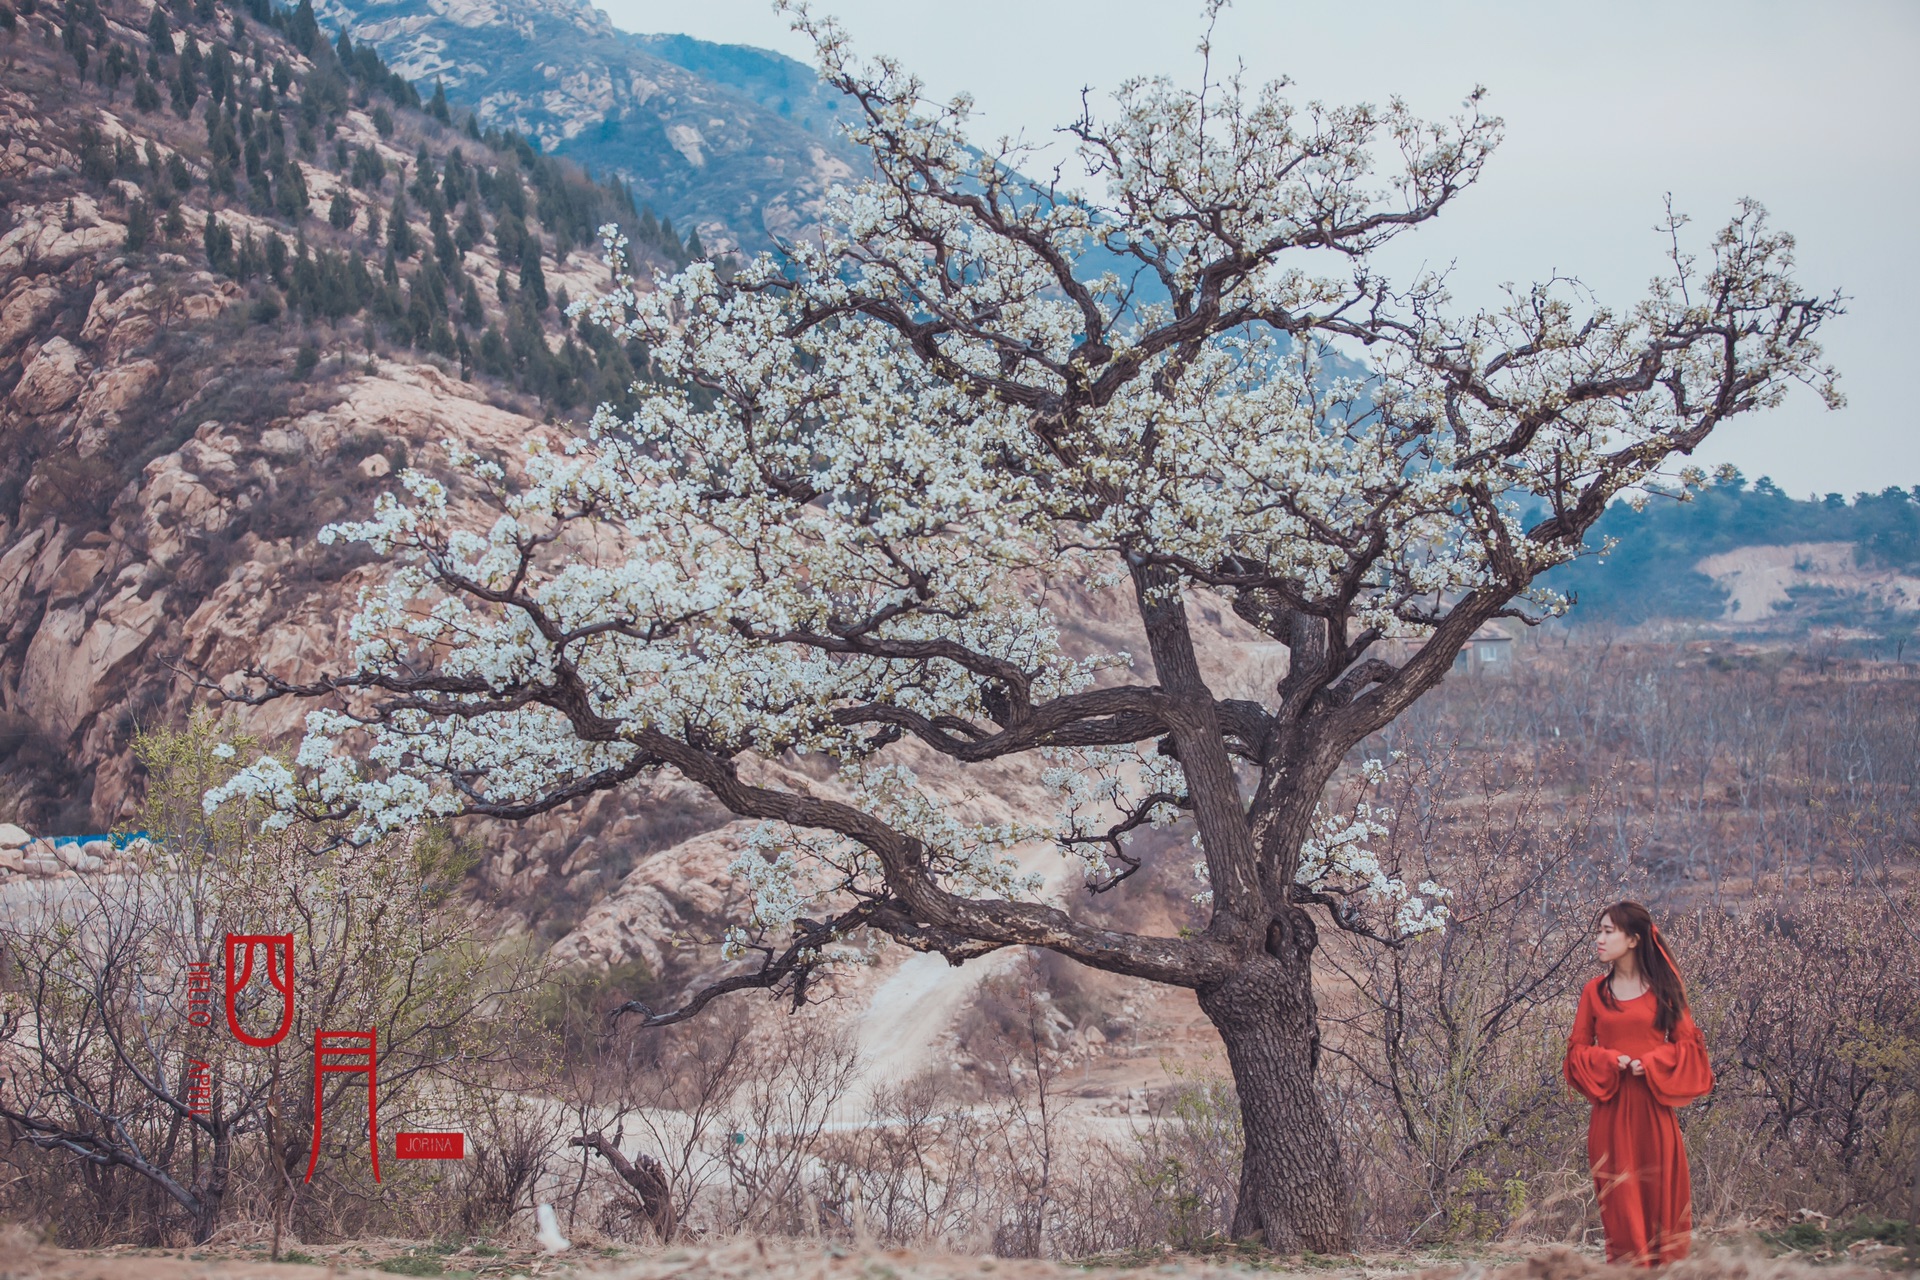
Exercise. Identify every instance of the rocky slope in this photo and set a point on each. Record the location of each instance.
(737, 141)
(209, 348)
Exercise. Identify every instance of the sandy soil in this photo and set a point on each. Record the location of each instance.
(803, 1260)
(1757, 578)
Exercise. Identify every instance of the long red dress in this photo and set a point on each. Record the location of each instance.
(1633, 1141)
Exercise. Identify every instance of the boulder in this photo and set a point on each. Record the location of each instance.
(108, 395)
(687, 885)
(76, 575)
(12, 837)
(25, 309)
(45, 243)
(70, 666)
(53, 380)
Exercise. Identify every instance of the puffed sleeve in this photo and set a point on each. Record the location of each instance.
(1592, 1070)
(1678, 1071)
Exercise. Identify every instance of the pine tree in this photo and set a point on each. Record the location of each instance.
(340, 212)
(290, 192)
(219, 75)
(696, 252)
(218, 243)
(425, 181)
(304, 29)
(456, 181)
(399, 230)
(533, 281)
(437, 108)
(139, 225)
(443, 246)
(159, 34)
(472, 229)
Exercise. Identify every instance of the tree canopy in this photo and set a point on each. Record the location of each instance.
(840, 521)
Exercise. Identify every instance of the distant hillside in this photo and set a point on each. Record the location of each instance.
(1850, 563)
(739, 143)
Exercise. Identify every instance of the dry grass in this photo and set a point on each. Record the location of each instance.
(750, 1258)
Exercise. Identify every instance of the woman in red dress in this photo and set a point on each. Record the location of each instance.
(1636, 1054)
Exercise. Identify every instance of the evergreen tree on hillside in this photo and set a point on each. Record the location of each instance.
(533, 281)
(218, 243)
(139, 225)
(303, 29)
(399, 230)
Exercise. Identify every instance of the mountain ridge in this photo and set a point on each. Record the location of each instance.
(697, 129)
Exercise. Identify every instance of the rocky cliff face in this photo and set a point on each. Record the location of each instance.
(178, 417)
(740, 142)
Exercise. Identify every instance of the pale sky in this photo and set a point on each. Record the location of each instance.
(1814, 110)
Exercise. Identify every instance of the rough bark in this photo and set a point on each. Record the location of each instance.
(212, 1191)
(1293, 1193)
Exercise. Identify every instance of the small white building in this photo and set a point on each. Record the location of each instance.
(1488, 653)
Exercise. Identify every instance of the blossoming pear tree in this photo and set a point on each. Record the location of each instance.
(836, 519)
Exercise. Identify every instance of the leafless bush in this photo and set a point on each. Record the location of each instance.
(1811, 1006)
(1444, 1054)
(515, 1141)
(102, 1047)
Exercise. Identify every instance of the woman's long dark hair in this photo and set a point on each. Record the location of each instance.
(1655, 961)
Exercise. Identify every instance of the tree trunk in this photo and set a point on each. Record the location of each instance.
(1293, 1184)
(212, 1191)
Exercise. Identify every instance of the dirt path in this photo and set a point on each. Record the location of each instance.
(807, 1260)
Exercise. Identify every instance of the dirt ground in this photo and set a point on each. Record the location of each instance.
(22, 1259)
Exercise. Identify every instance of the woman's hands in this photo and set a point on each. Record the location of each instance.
(1632, 1064)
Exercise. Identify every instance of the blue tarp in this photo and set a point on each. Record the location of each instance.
(117, 841)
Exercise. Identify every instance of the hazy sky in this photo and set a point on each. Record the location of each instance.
(1814, 110)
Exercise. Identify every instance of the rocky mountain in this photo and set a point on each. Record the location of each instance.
(244, 277)
(738, 142)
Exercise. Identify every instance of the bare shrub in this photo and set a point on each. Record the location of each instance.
(102, 1047)
(1444, 1054)
(1811, 1007)
(1185, 1173)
